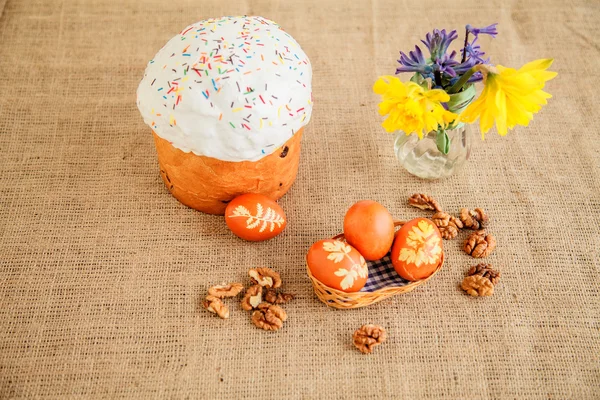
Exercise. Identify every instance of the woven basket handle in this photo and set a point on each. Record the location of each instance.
(397, 223)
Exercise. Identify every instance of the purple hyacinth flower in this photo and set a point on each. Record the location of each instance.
(476, 77)
(465, 66)
(445, 64)
(488, 30)
(437, 42)
(413, 62)
(473, 51)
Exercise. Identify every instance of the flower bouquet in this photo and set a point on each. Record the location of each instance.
(431, 112)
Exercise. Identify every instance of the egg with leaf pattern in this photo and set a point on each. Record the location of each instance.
(417, 250)
(255, 217)
(338, 265)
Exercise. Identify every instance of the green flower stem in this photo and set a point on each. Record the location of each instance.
(461, 82)
(442, 141)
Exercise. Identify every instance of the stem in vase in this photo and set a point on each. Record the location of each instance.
(461, 82)
(442, 141)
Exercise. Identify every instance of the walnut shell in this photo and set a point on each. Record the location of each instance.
(215, 305)
(252, 297)
(265, 277)
(424, 202)
(448, 225)
(230, 290)
(474, 219)
(273, 297)
(486, 271)
(269, 317)
(477, 286)
(479, 244)
(367, 337)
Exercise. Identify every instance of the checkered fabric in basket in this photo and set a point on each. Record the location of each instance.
(382, 274)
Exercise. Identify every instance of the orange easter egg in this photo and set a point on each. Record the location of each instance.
(369, 227)
(254, 217)
(417, 249)
(337, 265)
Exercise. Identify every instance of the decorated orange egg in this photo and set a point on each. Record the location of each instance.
(369, 227)
(417, 249)
(254, 217)
(337, 265)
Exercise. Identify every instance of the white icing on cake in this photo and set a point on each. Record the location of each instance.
(231, 88)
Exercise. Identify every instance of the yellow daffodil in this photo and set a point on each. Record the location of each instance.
(510, 97)
(410, 107)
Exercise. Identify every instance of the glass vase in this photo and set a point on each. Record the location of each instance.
(423, 158)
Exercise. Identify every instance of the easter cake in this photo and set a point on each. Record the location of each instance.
(227, 100)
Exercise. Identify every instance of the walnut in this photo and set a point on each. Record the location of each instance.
(448, 225)
(252, 297)
(265, 277)
(215, 305)
(367, 337)
(271, 296)
(424, 202)
(479, 244)
(486, 271)
(269, 317)
(474, 219)
(477, 285)
(230, 290)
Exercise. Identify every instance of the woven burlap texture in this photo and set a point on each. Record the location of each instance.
(102, 272)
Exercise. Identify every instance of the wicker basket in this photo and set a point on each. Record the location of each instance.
(338, 299)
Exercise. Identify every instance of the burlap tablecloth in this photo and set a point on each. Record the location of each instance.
(102, 271)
